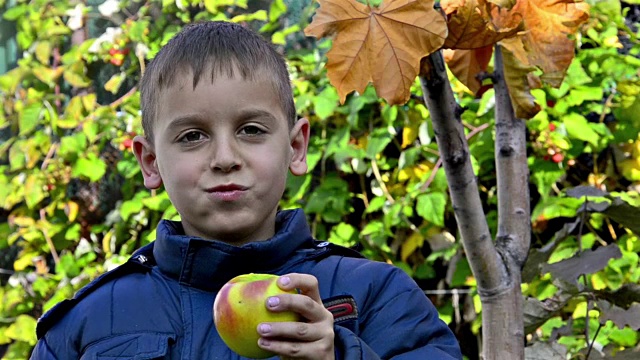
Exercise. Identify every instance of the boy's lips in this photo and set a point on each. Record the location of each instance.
(227, 192)
(227, 187)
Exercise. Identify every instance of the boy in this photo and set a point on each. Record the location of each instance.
(220, 136)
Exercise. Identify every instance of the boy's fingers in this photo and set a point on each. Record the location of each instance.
(307, 284)
(297, 350)
(301, 304)
(295, 331)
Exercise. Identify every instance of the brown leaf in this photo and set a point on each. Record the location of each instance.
(517, 75)
(548, 24)
(466, 65)
(620, 316)
(503, 3)
(470, 25)
(383, 45)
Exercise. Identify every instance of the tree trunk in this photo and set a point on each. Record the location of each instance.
(496, 266)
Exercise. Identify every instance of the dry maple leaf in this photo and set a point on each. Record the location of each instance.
(383, 45)
(471, 26)
(548, 24)
(520, 80)
(467, 64)
(508, 4)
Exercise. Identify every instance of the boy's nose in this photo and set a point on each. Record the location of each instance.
(225, 157)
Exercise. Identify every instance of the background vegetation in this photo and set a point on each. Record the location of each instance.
(73, 206)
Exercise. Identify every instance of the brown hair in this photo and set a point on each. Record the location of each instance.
(221, 47)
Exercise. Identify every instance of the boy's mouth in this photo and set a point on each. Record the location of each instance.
(227, 188)
(227, 193)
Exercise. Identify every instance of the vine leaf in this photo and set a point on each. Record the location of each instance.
(470, 25)
(545, 351)
(587, 262)
(467, 64)
(621, 317)
(383, 45)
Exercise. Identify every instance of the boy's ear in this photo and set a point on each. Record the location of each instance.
(299, 142)
(146, 156)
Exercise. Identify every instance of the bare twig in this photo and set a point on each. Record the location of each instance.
(432, 176)
(50, 154)
(593, 341)
(52, 248)
(383, 187)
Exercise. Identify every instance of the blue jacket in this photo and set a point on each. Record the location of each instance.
(158, 305)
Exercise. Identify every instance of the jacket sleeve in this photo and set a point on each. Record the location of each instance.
(398, 322)
(42, 351)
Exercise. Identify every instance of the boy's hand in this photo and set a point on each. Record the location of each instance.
(311, 339)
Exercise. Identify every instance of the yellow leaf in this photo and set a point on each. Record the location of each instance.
(383, 45)
(409, 134)
(43, 52)
(47, 75)
(519, 79)
(471, 26)
(22, 221)
(71, 209)
(113, 84)
(410, 245)
(466, 65)
(107, 242)
(24, 260)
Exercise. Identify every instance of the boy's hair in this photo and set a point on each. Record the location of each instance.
(223, 48)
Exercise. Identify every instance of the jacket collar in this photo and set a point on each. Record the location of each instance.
(208, 264)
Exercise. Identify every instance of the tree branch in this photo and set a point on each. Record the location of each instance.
(454, 150)
(514, 220)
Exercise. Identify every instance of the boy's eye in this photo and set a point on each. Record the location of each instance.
(251, 130)
(191, 136)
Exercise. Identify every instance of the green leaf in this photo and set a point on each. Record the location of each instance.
(67, 266)
(431, 207)
(74, 75)
(29, 118)
(90, 166)
(326, 102)
(344, 235)
(13, 13)
(34, 190)
(378, 141)
(159, 202)
(578, 128)
(10, 80)
(260, 15)
(132, 206)
(72, 145)
(277, 9)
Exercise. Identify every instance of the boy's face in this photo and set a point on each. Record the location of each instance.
(222, 152)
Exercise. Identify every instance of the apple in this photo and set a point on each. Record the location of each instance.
(240, 307)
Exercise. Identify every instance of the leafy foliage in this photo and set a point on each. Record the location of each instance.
(72, 195)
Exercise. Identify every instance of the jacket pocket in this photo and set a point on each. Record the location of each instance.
(138, 346)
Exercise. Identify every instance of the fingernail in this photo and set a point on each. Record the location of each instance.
(264, 342)
(264, 328)
(285, 280)
(273, 301)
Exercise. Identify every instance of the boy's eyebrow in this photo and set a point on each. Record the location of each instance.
(183, 120)
(253, 113)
